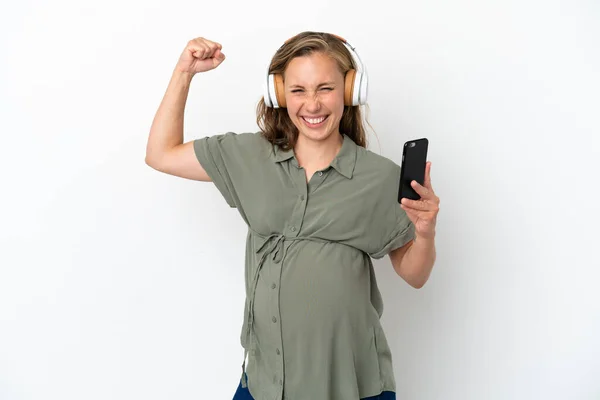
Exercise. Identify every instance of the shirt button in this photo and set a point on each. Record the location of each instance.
(274, 319)
(273, 286)
(281, 382)
(320, 173)
(301, 197)
(293, 229)
(277, 351)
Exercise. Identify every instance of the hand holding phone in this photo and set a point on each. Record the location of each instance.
(414, 160)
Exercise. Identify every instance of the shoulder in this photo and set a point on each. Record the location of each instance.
(236, 143)
(370, 163)
(245, 138)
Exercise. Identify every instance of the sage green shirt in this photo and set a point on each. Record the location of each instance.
(312, 315)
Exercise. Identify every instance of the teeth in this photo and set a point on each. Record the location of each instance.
(315, 121)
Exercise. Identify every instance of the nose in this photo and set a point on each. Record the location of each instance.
(313, 103)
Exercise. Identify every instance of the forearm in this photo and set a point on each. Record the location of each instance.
(166, 131)
(416, 264)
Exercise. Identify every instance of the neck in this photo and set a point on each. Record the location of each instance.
(316, 155)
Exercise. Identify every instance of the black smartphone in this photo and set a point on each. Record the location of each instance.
(414, 160)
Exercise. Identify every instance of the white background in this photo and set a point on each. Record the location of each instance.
(119, 282)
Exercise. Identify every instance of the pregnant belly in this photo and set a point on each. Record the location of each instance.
(324, 284)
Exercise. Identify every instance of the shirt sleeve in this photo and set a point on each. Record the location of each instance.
(223, 158)
(394, 228)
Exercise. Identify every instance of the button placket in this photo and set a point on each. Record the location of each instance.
(276, 323)
(318, 178)
(291, 230)
(295, 221)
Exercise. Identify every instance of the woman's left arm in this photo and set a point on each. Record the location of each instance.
(414, 261)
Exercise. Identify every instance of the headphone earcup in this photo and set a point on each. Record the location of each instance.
(349, 87)
(356, 88)
(274, 94)
(280, 90)
(268, 94)
(356, 94)
(362, 85)
(266, 97)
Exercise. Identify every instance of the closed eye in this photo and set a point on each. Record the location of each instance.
(300, 90)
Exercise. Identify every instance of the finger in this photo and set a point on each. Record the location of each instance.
(214, 46)
(198, 50)
(422, 190)
(195, 44)
(207, 52)
(218, 58)
(418, 205)
(211, 48)
(415, 216)
(427, 182)
(412, 204)
(218, 54)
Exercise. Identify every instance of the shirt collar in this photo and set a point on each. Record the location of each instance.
(343, 163)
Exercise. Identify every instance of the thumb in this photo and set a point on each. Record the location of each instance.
(218, 58)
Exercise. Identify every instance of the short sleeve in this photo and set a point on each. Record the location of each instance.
(394, 228)
(223, 157)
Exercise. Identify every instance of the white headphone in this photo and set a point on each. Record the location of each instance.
(355, 83)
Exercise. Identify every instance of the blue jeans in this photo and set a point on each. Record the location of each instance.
(244, 394)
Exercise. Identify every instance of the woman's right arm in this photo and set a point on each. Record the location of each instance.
(165, 150)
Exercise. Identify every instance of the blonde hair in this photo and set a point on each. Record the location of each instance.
(275, 123)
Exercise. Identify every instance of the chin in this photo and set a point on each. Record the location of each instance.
(317, 136)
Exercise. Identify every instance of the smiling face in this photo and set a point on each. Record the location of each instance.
(314, 93)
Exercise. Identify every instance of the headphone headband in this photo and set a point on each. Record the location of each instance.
(357, 61)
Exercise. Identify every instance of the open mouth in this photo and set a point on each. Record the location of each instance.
(314, 122)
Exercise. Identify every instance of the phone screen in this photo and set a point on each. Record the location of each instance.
(414, 160)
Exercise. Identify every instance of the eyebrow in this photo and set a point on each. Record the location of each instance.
(321, 84)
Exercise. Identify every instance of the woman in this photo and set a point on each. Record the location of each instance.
(318, 206)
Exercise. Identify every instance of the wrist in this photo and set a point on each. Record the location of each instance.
(183, 75)
(428, 237)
